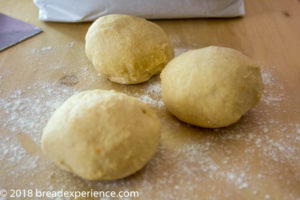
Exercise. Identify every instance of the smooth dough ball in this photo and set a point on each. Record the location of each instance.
(127, 49)
(100, 134)
(211, 87)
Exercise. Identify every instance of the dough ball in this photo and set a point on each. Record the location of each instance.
(211, 87)
(127, 49)
(100, 134)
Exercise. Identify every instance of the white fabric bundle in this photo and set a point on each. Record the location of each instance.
(89, 10)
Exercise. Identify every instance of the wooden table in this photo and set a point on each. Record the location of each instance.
(257, 158)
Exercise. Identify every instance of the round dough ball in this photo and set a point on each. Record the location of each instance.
(211, 87)
(127, 49)
(100, 134)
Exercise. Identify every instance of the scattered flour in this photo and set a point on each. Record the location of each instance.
(154, 87)
(269, 97)
(153, 94)
(47, 48)
(33, 51)
(71, 44)
(148, 100)
(150, 93)
(267, 196)
(27, 112)
(43, 49)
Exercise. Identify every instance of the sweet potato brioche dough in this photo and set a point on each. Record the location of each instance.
(211, 87)
(127, 49)
(101, 134)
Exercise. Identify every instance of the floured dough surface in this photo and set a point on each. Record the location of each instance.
(127, 49)
(211, 87)
(100, 134)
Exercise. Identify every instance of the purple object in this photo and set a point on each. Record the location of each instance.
(13, 31)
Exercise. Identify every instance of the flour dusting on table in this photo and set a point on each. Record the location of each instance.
(174, 170)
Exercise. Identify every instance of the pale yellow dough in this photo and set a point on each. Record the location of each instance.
(211, 87)
(101, 134)
(127, 49)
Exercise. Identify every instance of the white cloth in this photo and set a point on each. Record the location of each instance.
(89, 10)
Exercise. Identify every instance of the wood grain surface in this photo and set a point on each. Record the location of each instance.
(256, 158)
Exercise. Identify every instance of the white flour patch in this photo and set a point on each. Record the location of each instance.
(152, 94)
(43, 49)
(47, 48)
(149, 100)
(86, 74)
(33, 51)
(71, 44)
(154, 87)
(12, 152)
(269, 96)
